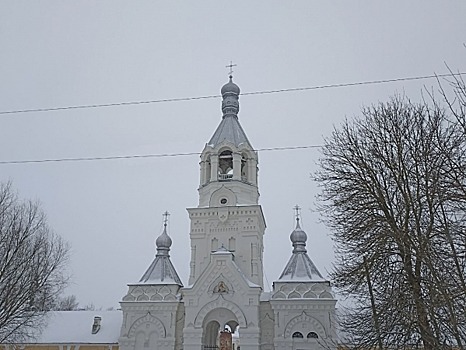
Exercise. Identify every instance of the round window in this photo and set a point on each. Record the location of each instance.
(223, 201)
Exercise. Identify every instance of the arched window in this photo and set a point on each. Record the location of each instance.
(225, 165)
(312, 335)
(297, 335)
(214, 244)
(232, 244)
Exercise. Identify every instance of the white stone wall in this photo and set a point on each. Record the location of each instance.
(150, 318)
(222, 294)
(238, 229)
(304, 308)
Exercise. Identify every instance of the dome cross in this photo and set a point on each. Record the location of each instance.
(231, 65)
(297, 210)
(165, 218)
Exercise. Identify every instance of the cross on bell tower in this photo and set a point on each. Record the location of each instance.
(231, 65)
(165, 218)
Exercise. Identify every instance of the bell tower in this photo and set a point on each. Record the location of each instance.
(228, 161)
(228, 214)
(227, 229)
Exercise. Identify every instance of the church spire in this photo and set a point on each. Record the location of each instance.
(230, 96)
(162, 271)
(230, 129)
(228, 161)
(300, 267)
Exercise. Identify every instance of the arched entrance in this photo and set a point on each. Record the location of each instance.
(217, 321)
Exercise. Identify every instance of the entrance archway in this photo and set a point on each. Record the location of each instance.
(216, 321)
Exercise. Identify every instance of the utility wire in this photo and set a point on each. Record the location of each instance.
(135, 156)
(371, 82)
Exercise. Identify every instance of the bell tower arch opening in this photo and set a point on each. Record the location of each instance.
(229, 159)
(225, 165)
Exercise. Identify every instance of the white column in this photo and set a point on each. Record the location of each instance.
(214, 167)
(252, 171)
(203, 176)
(236, 166)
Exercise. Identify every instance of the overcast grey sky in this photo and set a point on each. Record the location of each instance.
(62, 53)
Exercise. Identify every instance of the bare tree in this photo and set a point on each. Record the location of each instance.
(32, 267)
(392, 185)
(68, 303)
(456, 101)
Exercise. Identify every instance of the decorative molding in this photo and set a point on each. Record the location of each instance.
(303, 290)
(155, 293)
(217, 304)
(221, 288)
(316, 326)
(159, 327)
(300, 304)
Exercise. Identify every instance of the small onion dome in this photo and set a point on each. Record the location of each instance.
(230, 88)
(163, 242)
(298, 237)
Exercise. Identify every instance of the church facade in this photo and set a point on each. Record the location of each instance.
(224, 304)
(225, 297)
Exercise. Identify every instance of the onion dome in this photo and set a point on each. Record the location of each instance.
(298, 237)
(230, 103)
(163, 242)
(161, 270)
(230, 129)
(230, 88)
(300, 267)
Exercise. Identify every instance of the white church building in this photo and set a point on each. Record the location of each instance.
(224, 304)
(225, 290)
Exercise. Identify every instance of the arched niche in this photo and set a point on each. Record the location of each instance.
(211, 312)
(206, 167)
(304, 324)
(221, 285)
(214, 244)
(223, 197)
(248, 164)
(148, 325)
(225, 164)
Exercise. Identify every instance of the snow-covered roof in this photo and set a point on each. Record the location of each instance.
(76, 327)
(161, 271)
(300, 267)
(265, 296)
(229, 130)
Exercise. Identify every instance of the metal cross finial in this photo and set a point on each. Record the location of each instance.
(297, 210)
(231, 65)
(165, 218)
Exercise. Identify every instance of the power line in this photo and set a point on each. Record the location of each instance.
(116, 104)
(354, 84)
(136, 156)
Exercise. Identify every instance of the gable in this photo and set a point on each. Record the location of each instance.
(221, 276)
